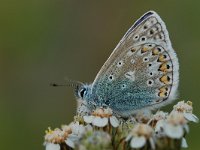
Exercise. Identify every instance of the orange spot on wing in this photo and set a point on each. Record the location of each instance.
(162, 58)
(155, 51)
(165, 79)
(144, 49)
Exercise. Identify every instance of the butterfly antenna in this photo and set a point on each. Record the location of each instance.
(56, 84)
(70, 83)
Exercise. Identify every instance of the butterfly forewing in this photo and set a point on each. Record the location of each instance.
(142, 70)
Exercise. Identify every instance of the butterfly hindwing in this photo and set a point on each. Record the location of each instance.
(142, 70)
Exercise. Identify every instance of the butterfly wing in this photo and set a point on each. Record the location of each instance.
(142, 71)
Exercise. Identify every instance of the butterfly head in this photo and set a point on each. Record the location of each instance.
(83, 91)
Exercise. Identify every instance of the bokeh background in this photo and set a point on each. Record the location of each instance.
(44, 41)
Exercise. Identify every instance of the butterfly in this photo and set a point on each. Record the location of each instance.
(141, 73)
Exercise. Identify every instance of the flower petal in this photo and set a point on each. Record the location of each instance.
(73, 137)
(70, 143)
(128, 137)
(100, 122)
(152, 143)
(77, 129)
(51, 146)
(138, 142)
(191, 117)
(88, 119)
(159, 126)
(172, 131)
(184, 143)
(114, 121)
(88, 127)
(186, 127)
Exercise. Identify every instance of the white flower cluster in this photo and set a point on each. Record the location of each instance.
(161, 124)
(144, 129)
(66, 135)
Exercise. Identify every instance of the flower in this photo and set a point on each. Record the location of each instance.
(101, 117)
(57, 135)
(184, 143)
(139, 136)
(101, 129)
(77, 129)
(51, 146)
(159, 128)
(143, 116)
(175, 125)
(68, 134)
(160, 115)
(186, 109)
(54, 138)
(97, 140)
(183, 107)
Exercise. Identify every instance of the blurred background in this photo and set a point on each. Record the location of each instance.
(44, 41)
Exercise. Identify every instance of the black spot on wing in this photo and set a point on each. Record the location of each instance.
(139, 21)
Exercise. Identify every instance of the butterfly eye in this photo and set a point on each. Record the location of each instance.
(82, 92)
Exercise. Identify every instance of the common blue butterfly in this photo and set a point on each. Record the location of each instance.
(142, 71)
